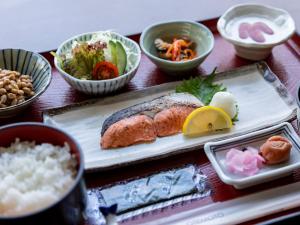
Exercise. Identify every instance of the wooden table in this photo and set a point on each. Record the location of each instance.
(284, 61)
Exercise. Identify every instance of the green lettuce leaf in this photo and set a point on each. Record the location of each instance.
(85, 57)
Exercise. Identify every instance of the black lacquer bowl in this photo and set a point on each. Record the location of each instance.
(298, 96)
(70, 207)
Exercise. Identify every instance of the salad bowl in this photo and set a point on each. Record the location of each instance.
(104, 86)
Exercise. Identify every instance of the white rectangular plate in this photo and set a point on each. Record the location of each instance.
(263, 101)
(216, 153)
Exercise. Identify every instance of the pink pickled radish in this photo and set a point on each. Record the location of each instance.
(246, 163)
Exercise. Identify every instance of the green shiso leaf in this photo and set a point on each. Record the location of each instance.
(235, 118)
(202, 88)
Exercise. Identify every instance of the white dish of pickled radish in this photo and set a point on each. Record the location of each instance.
(217, 151)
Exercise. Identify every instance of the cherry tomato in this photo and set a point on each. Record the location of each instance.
(105, 70)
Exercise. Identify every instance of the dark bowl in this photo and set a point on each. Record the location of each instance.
(298, 96)
(70, 207)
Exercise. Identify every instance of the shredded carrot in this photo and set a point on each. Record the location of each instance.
(176, 50)
(189, 53)
(169, 51)
(179, 50)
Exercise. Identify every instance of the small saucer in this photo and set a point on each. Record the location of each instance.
(216, 153)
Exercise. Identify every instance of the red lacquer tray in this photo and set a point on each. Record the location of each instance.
(285, 63)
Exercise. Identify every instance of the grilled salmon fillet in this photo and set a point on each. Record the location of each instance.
(129, 131)
(170, 121)
(144, 122)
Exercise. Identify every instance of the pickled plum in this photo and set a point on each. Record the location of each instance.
(276, 150)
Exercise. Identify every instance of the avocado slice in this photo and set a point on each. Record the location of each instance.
(121, 57)
(113, 50)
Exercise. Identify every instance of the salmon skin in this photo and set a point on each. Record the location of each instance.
(162, 116)
(151, 108)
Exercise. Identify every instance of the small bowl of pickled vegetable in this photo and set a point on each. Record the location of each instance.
(177, 47)
(98, 62)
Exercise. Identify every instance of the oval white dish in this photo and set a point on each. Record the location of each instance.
(278, 20)
(256, 89)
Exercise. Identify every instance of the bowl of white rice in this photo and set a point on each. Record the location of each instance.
(41, 172)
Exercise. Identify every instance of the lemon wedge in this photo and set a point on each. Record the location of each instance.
(206, 119)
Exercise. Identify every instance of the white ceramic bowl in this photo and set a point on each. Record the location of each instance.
(279, 20)
(29, 63)
(98, 87)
